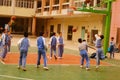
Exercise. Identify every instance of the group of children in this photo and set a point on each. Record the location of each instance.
(5, 43)
(84, 54)
(24, 44)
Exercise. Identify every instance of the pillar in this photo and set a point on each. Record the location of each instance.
(43, 4)
(34, 26)
(51, 3)
(13, 7)
(60, 7)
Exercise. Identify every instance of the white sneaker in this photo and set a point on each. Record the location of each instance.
(46, 68)
(87, 69)
(81, 66)
(97, 67)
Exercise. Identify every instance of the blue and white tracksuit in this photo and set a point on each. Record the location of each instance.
(60, 46)
(84, 55)
(53, 43)
(4, 44)
(99, 50)
(112, 47)
(41, 50)
(23, 47)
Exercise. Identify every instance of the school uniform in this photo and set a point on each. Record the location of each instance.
(53, 43)
(41, 51)
(112, 47)
(23, 45)
(4, 41)
(60, 46)
(99, 50)
(84, 55)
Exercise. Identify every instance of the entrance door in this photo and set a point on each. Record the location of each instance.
(51, 30)
(93, 32)
(118, 37)
(83, 33)
(70, 33)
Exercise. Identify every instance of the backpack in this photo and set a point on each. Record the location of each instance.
(93, 55)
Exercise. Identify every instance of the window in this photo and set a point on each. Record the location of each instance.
(6, 2)
(25, 3)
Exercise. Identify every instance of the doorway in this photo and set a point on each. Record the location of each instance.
(70, 33)
(51, 29)
(93, 32)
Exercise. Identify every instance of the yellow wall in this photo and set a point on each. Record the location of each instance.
(90, 23)
(18, 11)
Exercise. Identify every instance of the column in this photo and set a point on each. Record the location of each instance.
(51, 3)
(60, 7)
(35, 5)
(29, 25)
(34, 26)
(43, 4)
(13, 7)
(71, 3)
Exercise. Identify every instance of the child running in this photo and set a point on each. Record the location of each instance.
(84, 55)
(23, 45)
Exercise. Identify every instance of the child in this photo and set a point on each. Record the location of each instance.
(9, 41)
(85, 43)
(4, 42)
(60, 45)
(53, 43)
(84, 55)
(41, 50)
(112, 47)
(99, 50)
(23, 45)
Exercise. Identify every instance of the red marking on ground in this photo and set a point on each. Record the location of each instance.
(13, 58)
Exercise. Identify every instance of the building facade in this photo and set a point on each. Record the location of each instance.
(53, 16)
(115, 24)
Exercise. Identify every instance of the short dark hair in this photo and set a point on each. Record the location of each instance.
(25, 34)
(112, 38)
(79, 40)
(102, 36)
(53, 33)
(84, 40)
(41, 33)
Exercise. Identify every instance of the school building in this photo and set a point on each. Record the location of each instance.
(115, 22)
(50, 16)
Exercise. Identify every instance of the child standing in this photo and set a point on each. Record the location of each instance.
(9, 41)
(83, 53)
(60, 45)
(41, 50)
(4, 42)
(53, 43)
(23, 45)
(112, 47)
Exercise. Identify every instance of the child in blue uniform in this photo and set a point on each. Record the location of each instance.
(53, 44)
(84, 55)
(41, 50)
(23, 45)
(112, 47)
(99, 50)
(60, 45)
(4, 42)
